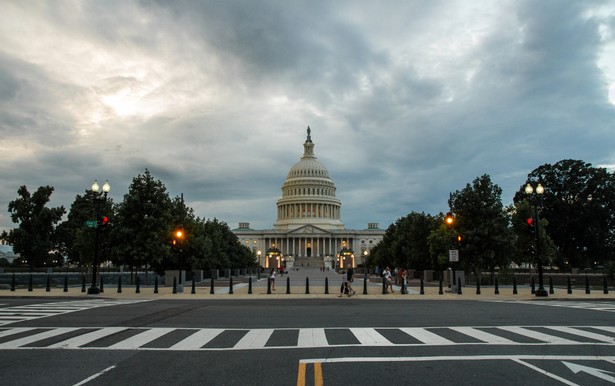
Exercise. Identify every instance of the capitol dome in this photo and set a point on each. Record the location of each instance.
(308, 194)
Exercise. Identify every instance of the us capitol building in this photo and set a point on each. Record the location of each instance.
(309, 230)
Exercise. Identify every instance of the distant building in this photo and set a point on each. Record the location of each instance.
(309, 230)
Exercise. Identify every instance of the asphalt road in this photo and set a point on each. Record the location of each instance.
(48, 341)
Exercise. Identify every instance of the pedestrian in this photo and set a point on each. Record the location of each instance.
(344, 285)
(349, 280)
(272, 278)
(389, 278)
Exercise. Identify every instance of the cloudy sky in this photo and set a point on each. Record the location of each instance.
(407, 100)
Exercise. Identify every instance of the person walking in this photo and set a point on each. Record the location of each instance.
(344, 285)
(389, 278)
(349, 280)
(272, 278)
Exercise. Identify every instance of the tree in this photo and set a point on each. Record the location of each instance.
(35, 237)
(525, 239)
(483, 224)
(143, 223)
(76, 241)
(405, 243)
(579, 205)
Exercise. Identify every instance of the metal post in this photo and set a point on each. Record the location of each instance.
(138, 289)
(119, 285)
(384, 285)
(365, 284)
(478, 285)
(13, 283)
(250, 285)
(65, 283)
(458, 286)
(211, 288)
(156, 284)
(230, 284)
(30, 283)
(569, 285)
(606, 286)
(587, 290)
(307, 285)
(422, 287)
(268, 286)
(193, 286)
(48, 287)
(551, 291)
(326, 286)
(515, 292)
(174, 284)
(82, 283)
(533, 285)
(497, 287)
(440, 289)
(287, 285)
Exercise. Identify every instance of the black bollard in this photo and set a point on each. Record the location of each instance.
(211, 286)
(384, 285)
(365, 284)
(250, 285)
(497, 287)
(119, 285)
(30, 284)
(458, 286)
(102, 286)
(551, 291)
(174, 284)
(13, 283)
(307, 285)
(515, 292)
(569, 285)
(533, 285)
(269, 286)
(230, 285)
(587, 290)
(326, 286)
(65, 283)
(138, 285)
(440, 289)
(48, 286)
(606, 286)
(478, 285)
(193, 286)
(422, 287)
(287, 284)
(156, 285)
(82, 283)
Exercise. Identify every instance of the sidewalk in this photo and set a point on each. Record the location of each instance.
(316, 290)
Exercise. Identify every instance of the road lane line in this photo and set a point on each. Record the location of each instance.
(425, 336)
(98, 374)
(36, 337)
(482, 335)
(544, 372)
(84, 339)
(537, 335)
(318, 381)
(312, 337)
(136, 341)
(254, 339)
(370, 337)
(301, 375)
(197, 340)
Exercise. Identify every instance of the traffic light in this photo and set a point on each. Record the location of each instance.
(530, 226)
(104, 222)
(459, 238)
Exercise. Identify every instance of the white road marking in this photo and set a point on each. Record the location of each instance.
(36, 337)
(254, 339)
(370, 337)
(537, 335)
(98, 374)
(84, 339)
(425, 336)
(197, 340)
(482, 335)
(312, 337)
(140, 339)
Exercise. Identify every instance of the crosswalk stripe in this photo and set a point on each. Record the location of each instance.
(197, 340)
(586, 334)
(605, 328)
(370, 337)
(140, 339)
(536, 335)
(36, 337)
(254, 339)
(15, 331)
(425, 336)
(482, 335)
(84, 339)
(312, 337)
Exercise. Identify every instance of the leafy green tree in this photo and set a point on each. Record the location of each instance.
(483, 225)
(143, 224)
(440, 243)
(35, 237)
(579, 206)
(405, 243)
(77, 240)
(525, 241)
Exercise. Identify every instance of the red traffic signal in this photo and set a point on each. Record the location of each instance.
(104, 221)
(530, 222)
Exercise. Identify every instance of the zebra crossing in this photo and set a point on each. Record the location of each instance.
(22, 313)
(204, 339)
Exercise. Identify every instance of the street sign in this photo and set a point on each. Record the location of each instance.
(91, 223)
(453, 255)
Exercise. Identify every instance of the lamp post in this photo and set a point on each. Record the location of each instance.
(535, 197)
(99, 198)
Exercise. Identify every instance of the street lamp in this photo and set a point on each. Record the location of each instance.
(98, 199)
(535, 197)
